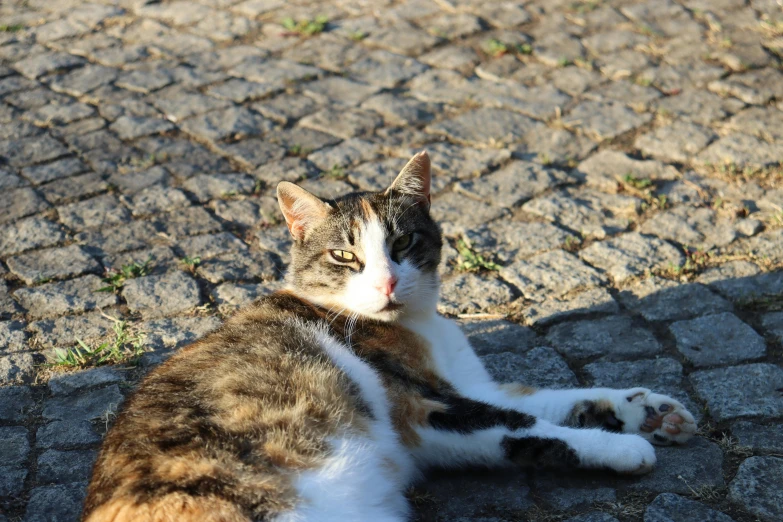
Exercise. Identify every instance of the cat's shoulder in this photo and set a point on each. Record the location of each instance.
(277, 306)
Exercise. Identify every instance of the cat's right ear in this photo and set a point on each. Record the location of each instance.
(415, 179)
(301, 209)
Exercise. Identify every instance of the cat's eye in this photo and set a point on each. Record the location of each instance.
(343, 256)
(402, 242)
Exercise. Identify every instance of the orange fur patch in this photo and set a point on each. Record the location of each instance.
(514, 388)
(170, 508)
(367, 211)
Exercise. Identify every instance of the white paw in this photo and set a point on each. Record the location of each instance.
(630, 454)
(621, 452)
(658, 418)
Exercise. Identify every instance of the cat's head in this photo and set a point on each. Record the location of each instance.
(374, 254)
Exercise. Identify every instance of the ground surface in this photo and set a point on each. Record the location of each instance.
(616, 164)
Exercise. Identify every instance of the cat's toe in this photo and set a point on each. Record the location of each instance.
(633, 456)
(666, 421)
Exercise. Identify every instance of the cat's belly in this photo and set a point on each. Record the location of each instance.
(366, 472)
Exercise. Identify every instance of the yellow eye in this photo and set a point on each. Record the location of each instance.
(402, 242)
(343, 256)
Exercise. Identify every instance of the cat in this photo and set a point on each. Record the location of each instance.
(323, 401)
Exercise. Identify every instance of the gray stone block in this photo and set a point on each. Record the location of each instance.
(87, 405)
(162, 295)
(631, 255)
(717, 339)
(15, 403)
(668, 507)
(63, 467)
(553, 274)
(66, 434)
(19, 203)
(472, 293)
(762, 437)
(593, 301)
(611, 338)
(66, 383)
(60, 503)
(750, 390)
(53, 263)
(13, 338)
(540, 367)
(754, 488)
(484, 126)
(17, 368)
(14, 446)
(469, 494)
(497, 336)
(658, 299)
(72, 296)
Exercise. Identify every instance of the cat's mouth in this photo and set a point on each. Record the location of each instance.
(391, 307)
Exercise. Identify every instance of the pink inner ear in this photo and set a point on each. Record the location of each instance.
(295, 228)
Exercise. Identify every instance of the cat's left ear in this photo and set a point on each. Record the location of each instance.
(415, 179)
(301, 209)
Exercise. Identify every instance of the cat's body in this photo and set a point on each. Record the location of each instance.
(323, 402)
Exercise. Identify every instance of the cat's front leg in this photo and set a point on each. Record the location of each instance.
(462, 431)
(660, 419)
(594, 448)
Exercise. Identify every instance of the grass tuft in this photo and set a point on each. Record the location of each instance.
(306, 27)
(497, 48)
(116, 278)
(336, 172)
(123, 348)
(472, 261)
(298, 151)
(637, 183)
(191, 262)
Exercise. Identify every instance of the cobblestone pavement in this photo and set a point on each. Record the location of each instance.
(616, 164)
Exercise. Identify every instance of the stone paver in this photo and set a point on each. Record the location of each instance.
(753, 487)
(669, 507)
(631, 255)
(619, 162)
(718, 339)
(658, 299)
(552, 274)
(164, 295)
(766, 438)
(613, 337)
(741, 391)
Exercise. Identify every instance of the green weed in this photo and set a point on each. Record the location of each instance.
(298, 151)
(637, 183)
(572, 243)
(472, 261)
(306, 27)
(115, 279)
(124, 347)
(585, 6)
(496, 48)
(191, 262)
(336, 172)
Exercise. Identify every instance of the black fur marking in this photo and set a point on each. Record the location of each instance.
(466, 416)
(539, 452)
(595, 416)
(462, 415)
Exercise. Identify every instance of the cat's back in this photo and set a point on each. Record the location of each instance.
(222, 429)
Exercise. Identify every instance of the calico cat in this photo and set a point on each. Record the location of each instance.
(323, 401)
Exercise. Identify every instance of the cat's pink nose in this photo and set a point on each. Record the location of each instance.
(386, 287)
